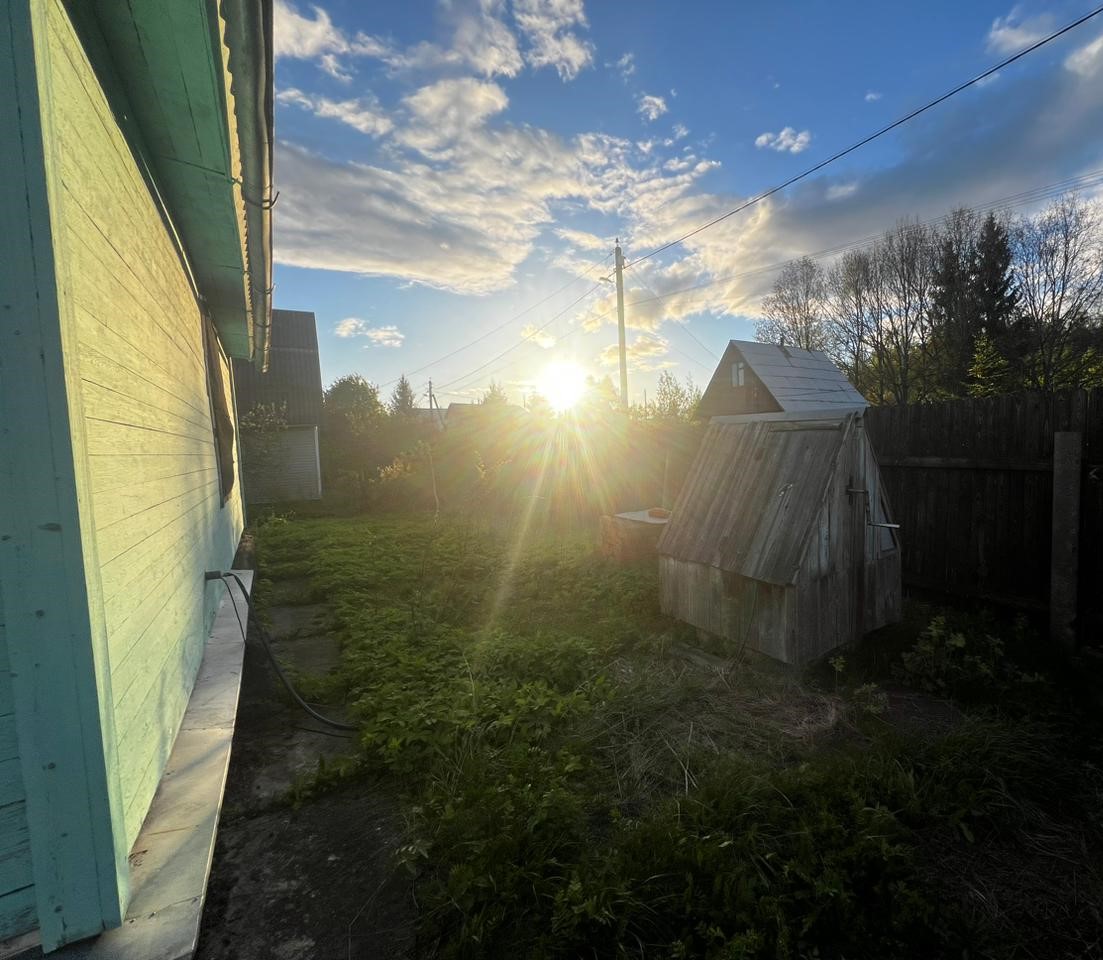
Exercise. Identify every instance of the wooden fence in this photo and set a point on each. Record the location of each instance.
(971, 484)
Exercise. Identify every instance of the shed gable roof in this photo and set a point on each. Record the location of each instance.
(753, 495)
(799, 380)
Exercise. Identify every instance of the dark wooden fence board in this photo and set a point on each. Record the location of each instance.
(970, 483)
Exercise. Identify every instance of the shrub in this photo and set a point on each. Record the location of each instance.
(967, 663)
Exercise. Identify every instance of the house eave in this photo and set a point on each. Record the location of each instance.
(197, 83)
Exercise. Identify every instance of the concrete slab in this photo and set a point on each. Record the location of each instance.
(171, 859)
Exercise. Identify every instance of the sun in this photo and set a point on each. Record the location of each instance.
(562, 384)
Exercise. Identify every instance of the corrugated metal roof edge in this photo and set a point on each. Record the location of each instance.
(826, 413)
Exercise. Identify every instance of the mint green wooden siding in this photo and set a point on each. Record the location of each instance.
(154, 495)
(17, 902)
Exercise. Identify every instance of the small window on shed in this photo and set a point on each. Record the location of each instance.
(221, 411)
(886, 536)
(738, 374)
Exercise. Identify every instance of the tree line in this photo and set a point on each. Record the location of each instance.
(973, 306)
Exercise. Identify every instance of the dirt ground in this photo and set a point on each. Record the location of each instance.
(313, 883)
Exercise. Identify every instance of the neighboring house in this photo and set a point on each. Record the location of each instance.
(134, 261)
(781, 538)
(766, 378)
(293, 384)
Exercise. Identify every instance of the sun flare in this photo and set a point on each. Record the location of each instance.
(562, 384)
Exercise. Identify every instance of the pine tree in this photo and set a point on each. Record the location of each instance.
(954, 302)
(994, 293)
(989, 373)
(402, 402)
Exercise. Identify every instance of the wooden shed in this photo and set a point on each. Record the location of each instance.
(781, 539)
(292, 383)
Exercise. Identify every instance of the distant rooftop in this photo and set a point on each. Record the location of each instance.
(754, 378)
(294, 374)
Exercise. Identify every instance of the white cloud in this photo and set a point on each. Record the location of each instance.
(840, 191)
(1087, 60)
(364, 115)
(646, 352)
(625, 66)
(449, 112)
(872, 96)
(484, 42)
(301, 37)
(541, 338)
(680, 131)
(388, 336)
(548, 25)
(650, 107)
(786, 141)
(350, 327)
(582, 240)
(451, 176)
(1012, 33)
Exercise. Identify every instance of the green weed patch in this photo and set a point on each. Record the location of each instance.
(576, 789)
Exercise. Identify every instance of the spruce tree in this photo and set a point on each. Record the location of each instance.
(402, 402)
(994, 287)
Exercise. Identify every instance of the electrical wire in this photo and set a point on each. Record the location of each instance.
(263, 635)
(758, 198)
(1022, 198)
(448, 356)
(524, 339)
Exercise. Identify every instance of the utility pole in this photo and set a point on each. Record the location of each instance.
(618, 258)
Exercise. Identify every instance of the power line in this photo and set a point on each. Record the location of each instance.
(525, 339)
(873, 136)
(1021, 198)
(1014, 200)
(448, 356)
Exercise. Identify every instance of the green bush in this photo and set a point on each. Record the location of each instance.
(969, 662)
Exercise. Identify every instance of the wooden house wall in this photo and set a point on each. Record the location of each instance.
(17, 895)
(140, 390)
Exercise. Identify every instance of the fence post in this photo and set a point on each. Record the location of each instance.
(1064, 562)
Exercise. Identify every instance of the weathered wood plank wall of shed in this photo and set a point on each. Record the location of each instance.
(155, 496)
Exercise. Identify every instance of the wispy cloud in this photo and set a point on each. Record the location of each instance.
(365, 115)
(646, 352)
(540, 337)
(650, 107)
(316, 37)
(549, 28)
(839, 191)
(582, 239)
(785, 141)
(872, 96)
(625, 66)
(385, 336)
(388, 336)
(1012, 33)
(1087, 61)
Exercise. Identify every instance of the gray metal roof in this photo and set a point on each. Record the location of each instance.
(800, 379)
(750, 502)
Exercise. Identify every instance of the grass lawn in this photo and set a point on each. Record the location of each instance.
(579, 780)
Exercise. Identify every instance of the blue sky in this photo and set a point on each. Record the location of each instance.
(444, 166)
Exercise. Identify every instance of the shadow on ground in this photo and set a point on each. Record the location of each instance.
(313, 882)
